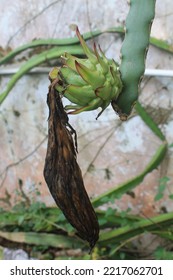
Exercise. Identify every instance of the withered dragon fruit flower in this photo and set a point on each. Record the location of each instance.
(88, 83)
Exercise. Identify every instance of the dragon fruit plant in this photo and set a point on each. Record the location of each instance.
(96, 81)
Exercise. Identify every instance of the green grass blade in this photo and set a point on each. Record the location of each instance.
(110, 218)
(149, 121)
(164, 234)
(127, 232)
(45, 239)
(36, 60)
(129, 185)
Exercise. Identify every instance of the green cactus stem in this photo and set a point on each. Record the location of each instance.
(133, 54)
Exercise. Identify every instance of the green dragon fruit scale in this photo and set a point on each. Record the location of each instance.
(88, 83)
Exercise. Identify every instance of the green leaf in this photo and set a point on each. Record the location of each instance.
(158, 196)
(162, 188)
(162, 254)
(102, 221)
(110, 212)
(164, 180)
(21, 219)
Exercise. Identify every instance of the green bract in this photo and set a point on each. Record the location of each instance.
(88, 83)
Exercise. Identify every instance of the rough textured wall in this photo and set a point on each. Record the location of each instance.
(110, 152)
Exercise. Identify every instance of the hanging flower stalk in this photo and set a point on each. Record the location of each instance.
(88, 83)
